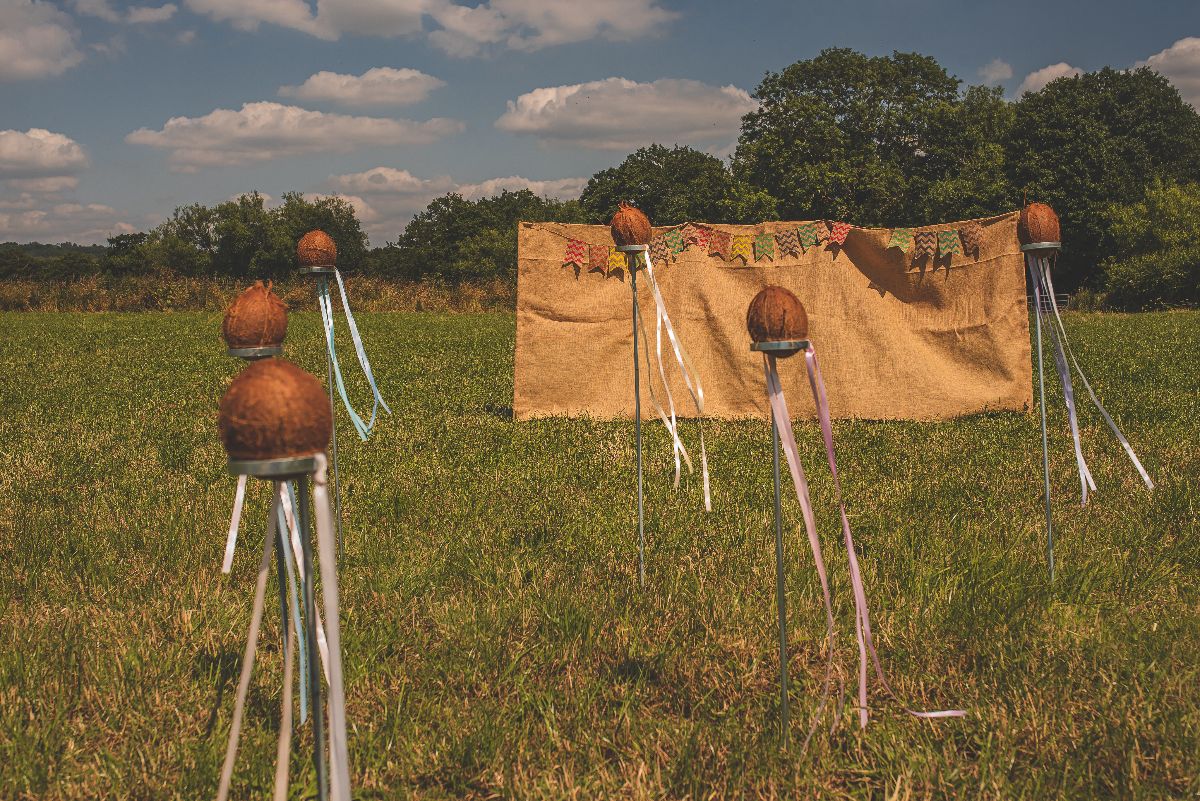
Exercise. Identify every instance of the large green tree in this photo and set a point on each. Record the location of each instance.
(882, 140)
(1084, 143)
(674, 185)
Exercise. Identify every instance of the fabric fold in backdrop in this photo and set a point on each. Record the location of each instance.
(325, 301)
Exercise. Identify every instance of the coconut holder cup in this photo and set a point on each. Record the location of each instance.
(275, 423)
(778, 326)
(1039, 233)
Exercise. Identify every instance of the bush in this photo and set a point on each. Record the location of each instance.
(1155, 280)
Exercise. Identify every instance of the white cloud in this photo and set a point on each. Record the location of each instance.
(995, 71)
(381, 86)
(38, 153)
(458, 29)
(1181, 64)
(618, 114)
(139, 15)
(392, 196)
(45, 186)
(264, 131)
(1037, 80)
(36, 40)
(135, 14)
(362, 209)
(86, 224)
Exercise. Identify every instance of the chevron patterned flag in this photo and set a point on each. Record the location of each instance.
(972, 238)
(616, 259)
(764, 246)
(926, 244)
(901, 238)
(694, 235)
(838, 232)
(742, 245)
(576, 253)
(789, 242)
(660, 251)
(599, 258)
(720, 243)
(808, 234)
(674, 240)
(822, 231)
(948, 242)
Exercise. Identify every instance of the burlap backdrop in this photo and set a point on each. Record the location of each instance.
(894, 339)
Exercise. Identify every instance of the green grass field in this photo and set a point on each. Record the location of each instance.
(497, 644)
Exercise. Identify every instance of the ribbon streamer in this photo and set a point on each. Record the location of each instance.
(239, 498)
(289, 503)
(339, 760)
(783, 422)
(290, 558)
(325, 302)
(690, 378)
(1043, 285)
(862, 615)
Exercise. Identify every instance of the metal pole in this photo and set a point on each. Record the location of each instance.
(780, 595)
(637, 421)
(1037, 317)
(314, 656)
(323, 288)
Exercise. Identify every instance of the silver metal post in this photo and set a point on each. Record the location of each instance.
(314, 657)
(780, 595)
(637, 421)
(1037, 317)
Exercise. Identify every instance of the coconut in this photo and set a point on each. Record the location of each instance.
(630, 226)
(256, 318)
(316, 249)
(1038, 223)
(776, 315)
(273, 410)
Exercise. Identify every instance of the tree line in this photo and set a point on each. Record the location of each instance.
(876, 141)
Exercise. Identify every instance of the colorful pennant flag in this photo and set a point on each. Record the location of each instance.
(926, 244)
(809, 234)
(599, 260)
(576, 253)
(674, 240)
(822, 231)
(616, 259)
(660, 251)
(972, 238)
(720, 243)
(948, 243)
(901, 238)
(742, 244)
(764, 247)
(789, 242)
(696, 235)
(838, 232)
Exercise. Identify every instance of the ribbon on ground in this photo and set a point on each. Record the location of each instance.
(783, 423)
(866, 644)
(325, 301)
(339, 760)
(690, 379)
(239, 497)
(1043, 286)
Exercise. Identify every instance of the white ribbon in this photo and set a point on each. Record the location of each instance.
(690, 379)
(239, 498)
(297, 550)
(339, 760)
(1040, 266)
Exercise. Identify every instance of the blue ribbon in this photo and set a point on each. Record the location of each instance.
(363, 429)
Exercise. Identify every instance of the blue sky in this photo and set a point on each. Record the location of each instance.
(115, 113)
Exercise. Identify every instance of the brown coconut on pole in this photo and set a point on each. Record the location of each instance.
(630, 226)
(776, 315)
(1037, 224)
(316, 249)
(274, 410)
(257, 318)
